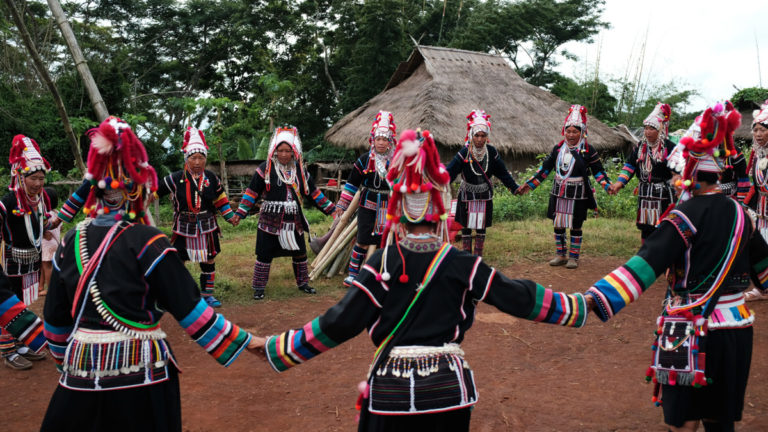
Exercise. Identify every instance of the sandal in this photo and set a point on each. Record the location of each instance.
(755, 294)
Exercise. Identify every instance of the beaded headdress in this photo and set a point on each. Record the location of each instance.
(383, 126)
(760, 115)
(420, 190)
(659, 119)
(706, 145)
(477, 121)
(119, 166)
(25, 159)
(288, 135)
(577, 116)
(194, 142)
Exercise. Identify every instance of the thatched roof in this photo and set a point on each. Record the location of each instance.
(744, 132)
(436, 88)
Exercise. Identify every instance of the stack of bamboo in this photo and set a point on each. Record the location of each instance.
(334, 255)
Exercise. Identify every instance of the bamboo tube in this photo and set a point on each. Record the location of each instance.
(329, 256)
(328, 259)
(338, 263)
(371, 249)
(339, 228)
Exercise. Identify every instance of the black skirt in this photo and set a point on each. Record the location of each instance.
(366, 225)
(268, 246)
(729, 355)
(180, 243)
(449, 421)
(462, 212)
(154, 407)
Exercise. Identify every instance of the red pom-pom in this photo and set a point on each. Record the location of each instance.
(403, 278)
(414, 187)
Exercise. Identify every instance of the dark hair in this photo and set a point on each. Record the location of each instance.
(573, 126)
(52, 195)
(707, 177)
(411, 225)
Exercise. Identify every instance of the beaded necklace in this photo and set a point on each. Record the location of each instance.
(650, 154)
(284, 174)
(197, 183)
(479, 155)
(39, 210)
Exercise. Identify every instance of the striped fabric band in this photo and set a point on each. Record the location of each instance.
(742, 188)
(731, 312)
(57, 340)
(622, 286)
(222, 204)
(761, 268)
(220, 338)
(602, 178)
(559, 308)
(71, 207)
(534, 181)
(246, 202)
(22, 323)
(627, 171)
(322, 202)
(297, 346)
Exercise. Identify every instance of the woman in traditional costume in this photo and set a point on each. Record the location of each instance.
(283, 183)
(709, 245)
(572, 159)
(417, 298)
(648, 161)
(757, 198)
(368, 175)
(113, 279)
(477, 162)
(25, 214)
(197, 194)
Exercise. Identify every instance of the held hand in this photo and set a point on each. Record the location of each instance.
(235, 220)
(338, 212)
(54, 221)
(522, 190)
(150, 198)
(590, 303)
(256, 346)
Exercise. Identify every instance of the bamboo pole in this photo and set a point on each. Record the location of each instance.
(82, 66)
(341, 258)
(371, 249)
(339, 227)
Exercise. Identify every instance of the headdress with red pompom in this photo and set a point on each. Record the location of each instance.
(194, 142)
(25, 159)
(577, 116)
(706, 146)
(419, 182)
(659, 119)
(119, 166)
(288, 135)
(477, 121)
(383, 126)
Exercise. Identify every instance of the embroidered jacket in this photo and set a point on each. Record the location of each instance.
(472, 173)
(375, 188)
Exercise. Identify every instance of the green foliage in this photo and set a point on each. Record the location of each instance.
(592, 94)
(749, 98)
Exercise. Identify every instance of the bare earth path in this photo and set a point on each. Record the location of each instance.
(531, 377)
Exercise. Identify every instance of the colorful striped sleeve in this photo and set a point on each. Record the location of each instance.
(219, 337)
(246, 202)
(323, 203)
(297, 346)
(22, 323)
(742, 188)
(75, 202)
(347, 194)
(622, 286)
(222, 204)
(524, 298)
(57, 340)
(626, 174)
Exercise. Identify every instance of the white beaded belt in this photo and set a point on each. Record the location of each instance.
(111, 336)
(419, 351)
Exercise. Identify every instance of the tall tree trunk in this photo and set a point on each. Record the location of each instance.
(82, 67)
(42, 71)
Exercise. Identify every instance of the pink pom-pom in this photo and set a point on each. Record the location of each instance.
(118, 217)
(403, 278)
(426, 187)
(718, 108)
(428, 217)
(378, 277)
(363, 388)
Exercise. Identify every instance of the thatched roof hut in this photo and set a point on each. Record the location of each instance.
(436, 88)
(744, 132)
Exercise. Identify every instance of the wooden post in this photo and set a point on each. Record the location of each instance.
(222, 162)
(82, 66)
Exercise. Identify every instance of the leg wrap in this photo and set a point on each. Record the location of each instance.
(479, 242)
(7, 343)
(356, 259)
(575, 244)
(466, 240)
(207, 278)
(560, 242)
(301, 270)
(260, 276)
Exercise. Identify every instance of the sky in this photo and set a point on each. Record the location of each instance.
(705, 45)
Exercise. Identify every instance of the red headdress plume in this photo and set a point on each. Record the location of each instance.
(117, 161)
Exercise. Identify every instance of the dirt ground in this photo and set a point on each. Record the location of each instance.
(531, 377)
